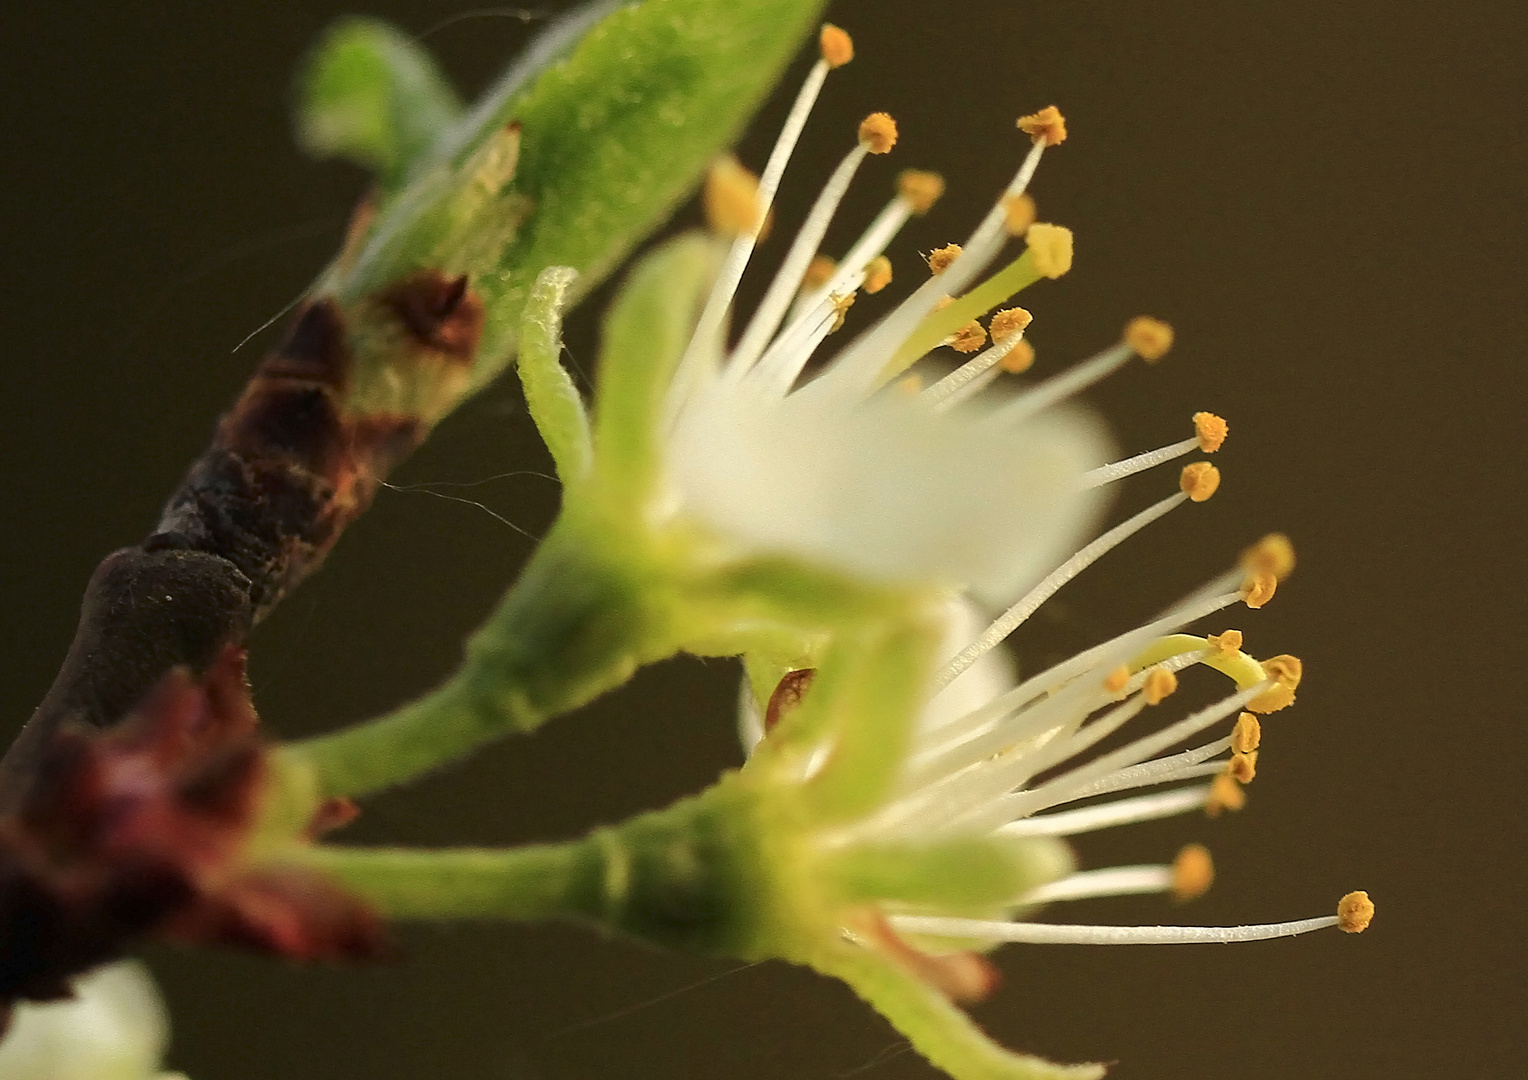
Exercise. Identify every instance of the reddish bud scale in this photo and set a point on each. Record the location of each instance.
(140, 831)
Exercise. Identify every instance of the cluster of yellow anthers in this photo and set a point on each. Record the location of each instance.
(978, 768)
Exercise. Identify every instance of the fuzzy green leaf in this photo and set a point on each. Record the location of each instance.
(611, 136)
(371, 95)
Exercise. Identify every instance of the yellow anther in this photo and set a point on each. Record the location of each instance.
(1355, 912)
(1150, 338)
(1116, 681)
(1051, 248)
(1273, 554)
(1247, 735)
(1225, 794)
(731, 198)
(908, 386)
(1228, 642)
(1012, 320)
(878, 132)
(1160, 683)
(841, 306)
(1211, 430)
(1273, 699)
(877, 274)
(1258, 589)
(1193, 873)
(1018, 213)
(836, 45)
(920, 189)
(819, 272)
(969, 338)
(1199, 481)
(1242, 767)
(1048, 125)
(1020, 359)
(1288, 670)
(939, 259)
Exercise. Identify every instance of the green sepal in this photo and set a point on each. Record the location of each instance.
(554, 402)
(937, 1029)
(371, 95)
(964, 875)
(644, 333)
(867, 693)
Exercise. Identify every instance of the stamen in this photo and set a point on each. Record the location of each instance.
(1193, 873)
(1149, 337)
(1064, 788)
(819, 272)
(836, 45)
(780, 366)
(1160, 684)
(777, 299)
(877, 274)
(1013, 320)
(731, 198)
(1229, 641)
(1018, 213)
(1184, 765)
(708, 326)
(1021, 359)
(1118, 470)
(852, 270)
(1056, 934)
(940, 259)
(969, 338)
(1355, 912)
(1015, 616)
(1273, 554)
(1060, 387)
(920, 189)
(1199, 481)
(878, 132)
(1110, 881)
(1211, 431)
(965, 380)
(1258, 589)
(1108, 815)
(1247, 736)
(1225, 794)
(1286, 671)
(1242, 767)
(1047, 126)
(862, 364)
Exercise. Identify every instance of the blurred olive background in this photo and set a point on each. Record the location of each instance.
(1326, 202)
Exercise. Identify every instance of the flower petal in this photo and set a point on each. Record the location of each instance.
(887, 489)
(114, 1028)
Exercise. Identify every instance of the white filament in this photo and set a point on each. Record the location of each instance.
(1054, 934)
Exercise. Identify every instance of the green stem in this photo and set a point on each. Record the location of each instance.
(691, 877)
(543, 881)
(578, 623)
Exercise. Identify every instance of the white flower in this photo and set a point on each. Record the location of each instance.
(115, 1028)
(845, 471)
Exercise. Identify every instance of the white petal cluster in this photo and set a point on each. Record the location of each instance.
(115, 1028)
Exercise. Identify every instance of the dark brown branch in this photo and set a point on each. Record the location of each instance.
(290, 466)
